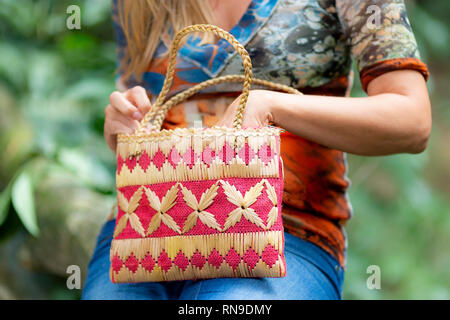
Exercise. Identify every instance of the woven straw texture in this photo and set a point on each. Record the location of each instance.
(198, 203)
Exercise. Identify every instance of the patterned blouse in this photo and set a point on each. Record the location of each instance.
(309, 45)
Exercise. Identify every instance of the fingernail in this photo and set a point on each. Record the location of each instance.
(137, 115)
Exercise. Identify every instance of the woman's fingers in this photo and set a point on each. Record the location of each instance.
(133, 103)
(113, 116)
(256, 113)
(120, 103)
(115, 123)
(138, 96)
(124, 112)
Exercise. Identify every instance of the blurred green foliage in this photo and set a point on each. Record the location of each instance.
(401, 203)
(55, 83)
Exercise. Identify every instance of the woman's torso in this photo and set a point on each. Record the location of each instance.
(304, 44)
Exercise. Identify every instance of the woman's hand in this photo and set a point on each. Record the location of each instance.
(257, 112)
(124, 112)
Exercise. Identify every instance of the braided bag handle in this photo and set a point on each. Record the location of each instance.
(159, 109)
(237, 124)
(161, 113)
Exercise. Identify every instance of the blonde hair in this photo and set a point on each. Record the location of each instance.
(146, 22)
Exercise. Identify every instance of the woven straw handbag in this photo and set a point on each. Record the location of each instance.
(197, 203)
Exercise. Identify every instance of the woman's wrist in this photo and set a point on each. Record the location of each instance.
(276, 106)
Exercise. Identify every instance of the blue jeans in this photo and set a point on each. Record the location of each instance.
(312, 274)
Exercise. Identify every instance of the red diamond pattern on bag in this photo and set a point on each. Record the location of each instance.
(269, 255)
(144, 161)
(181, 261)
(132, 263)
(251, 258)
(131, 163)
(148, 263)
(198, 260)
(116, 263)
(215, 259)
(158, 159)
(233, 258)
(164, 261)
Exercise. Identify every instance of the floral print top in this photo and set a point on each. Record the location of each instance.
(309, 45)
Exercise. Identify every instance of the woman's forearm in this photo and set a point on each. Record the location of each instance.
(381, 124)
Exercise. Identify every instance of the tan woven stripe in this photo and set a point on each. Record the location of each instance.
(199, 171)
(198, 140)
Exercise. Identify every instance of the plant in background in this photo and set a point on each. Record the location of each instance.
(57, 174)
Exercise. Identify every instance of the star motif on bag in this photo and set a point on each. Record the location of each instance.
(129, 207)
(199, 208)
(161, 207)
(243, 203)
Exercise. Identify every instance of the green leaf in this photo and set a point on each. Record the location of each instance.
(23, 202)
(5, 198)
